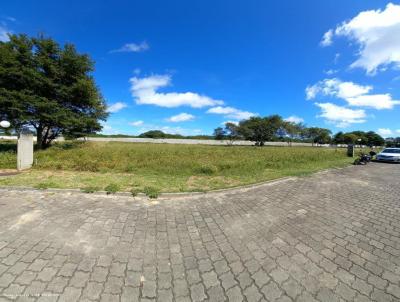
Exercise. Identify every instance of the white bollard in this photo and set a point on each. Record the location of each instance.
(25, 151)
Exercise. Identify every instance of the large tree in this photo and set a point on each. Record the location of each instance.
(317, 135)
(260, 129)
(49, 88)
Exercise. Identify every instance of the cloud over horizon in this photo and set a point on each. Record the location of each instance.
(231, 112)
(294, 119)
(354, 94)
(340, 116)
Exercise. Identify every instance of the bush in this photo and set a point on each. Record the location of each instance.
(45, 185)
(151, 192)
(90, 189)
(208, 169)
(112, 188)
(134, 192)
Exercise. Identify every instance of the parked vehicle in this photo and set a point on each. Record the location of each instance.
(389, 155)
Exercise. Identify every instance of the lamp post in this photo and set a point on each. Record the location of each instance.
(5, 124)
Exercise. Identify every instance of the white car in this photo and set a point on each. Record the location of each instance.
(389, 154)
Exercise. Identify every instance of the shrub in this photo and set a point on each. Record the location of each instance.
(112, 188)
(151, 192)
(208, 169)
(90, 189)
(87, 165)
(134, 192)
(45, 185)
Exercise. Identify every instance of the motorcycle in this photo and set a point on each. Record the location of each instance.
(364, 159)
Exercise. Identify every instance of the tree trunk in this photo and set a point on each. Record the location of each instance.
(43, 141)
(39, 136)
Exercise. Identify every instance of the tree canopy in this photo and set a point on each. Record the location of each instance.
(49, 88)
(369, 138)
(260, 129)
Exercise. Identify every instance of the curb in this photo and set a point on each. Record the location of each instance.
(172, 194)
(161, 195)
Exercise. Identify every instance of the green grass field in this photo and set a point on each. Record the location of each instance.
(163, 167)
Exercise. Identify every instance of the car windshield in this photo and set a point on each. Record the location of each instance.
(391, 151)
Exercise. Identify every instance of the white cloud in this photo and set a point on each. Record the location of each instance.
(12, 19)
(182, 117)
(116, 107)
(231, 112)
(341, 117)
(385, 132)
(353, 94)
(337, 88)
(377, 101)
(376, 32)
(232, 122)
(108, 129)
(133, 47)
(144, 90)
(136, 123)
(331, 71)
(4, 31)
(327, 38)
(294, 119)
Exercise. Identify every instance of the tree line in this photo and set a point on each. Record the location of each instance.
(275, 128)
(393, 142)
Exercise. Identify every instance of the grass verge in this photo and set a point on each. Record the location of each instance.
(155, 168)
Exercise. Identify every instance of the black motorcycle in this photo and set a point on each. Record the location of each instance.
(364, 159)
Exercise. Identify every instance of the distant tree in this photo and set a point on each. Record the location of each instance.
(232, 132)
(361, 137)
(349, 138)
(392, 141)
(219, 133)
(260, 129)
(292, 130)
(374, 139)
(153, 134)
(318, 135)
(49, 88)
(338, 138)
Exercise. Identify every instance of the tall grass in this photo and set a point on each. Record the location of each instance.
(182, 159)
(8, 155)
(183, 167)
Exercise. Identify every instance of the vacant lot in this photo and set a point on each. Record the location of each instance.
(165, 168)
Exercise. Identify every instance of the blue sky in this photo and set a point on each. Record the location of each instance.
(189, 66)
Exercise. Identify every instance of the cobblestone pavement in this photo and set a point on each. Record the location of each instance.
(333, 236)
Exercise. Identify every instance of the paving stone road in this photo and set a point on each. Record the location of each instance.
(334, 236)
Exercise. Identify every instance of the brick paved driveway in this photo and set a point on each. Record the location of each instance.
(334, 236)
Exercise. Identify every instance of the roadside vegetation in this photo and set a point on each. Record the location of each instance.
(153, 168)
